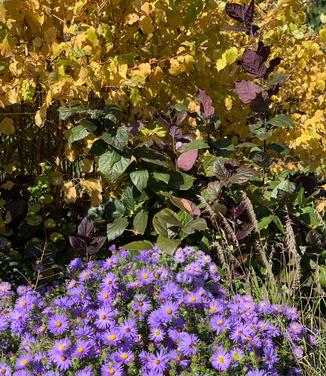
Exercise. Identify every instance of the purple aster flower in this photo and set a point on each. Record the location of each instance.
(236, 354)
(75, 264)
(85, 372)
(115, 370)
(128, 329)
(221, 360)
(177, 330)
(291, 313)
(219, 323)
(270, 357)
(188, 344)
(112, 336)
(145, 277)
(110, 282)
(157, 335)
(178, 358)
(297, 352)
(23, 361)
(5, 370)
(257, 372)
(295, 330)
(171, 291)
(105, 318)
(123, 356)
(179, 257)
(158, 362)
(5, 288)
(82, 348)
(168, 311)
(106, 296)
(61, 345)
(4, 323)
(62, 361)
(58, 324)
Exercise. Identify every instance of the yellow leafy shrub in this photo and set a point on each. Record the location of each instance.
(143, 55)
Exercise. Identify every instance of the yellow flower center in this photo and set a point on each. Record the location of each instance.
(213, 309)
(4, 288)
(192, 299)
(157, 361)
(294, 327)
(23, 303)
(103, 316)
(58, 324)
(144, 275)
(24, 362)
(62, 347)
(157, 332)
(63, 358)
(111, 371)
(124, 356)
(169, 311)
(220, 359)
(105, 296)
(220, 322)
(112, 337)
(80, 349)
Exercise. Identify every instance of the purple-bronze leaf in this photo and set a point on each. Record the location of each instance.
(187, 160)
(244, 231)
(272, 65)
(249, 13)
(180, 117)
(253, 63)
(95, 245)
(238, 210)
(241, 13)
(175, 132)
(260, 103)
(77, 243)
(247, 90)
(206, 107)
(86, 227)
(243, 174)
(191, 207)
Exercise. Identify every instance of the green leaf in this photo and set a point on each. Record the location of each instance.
(144, 245)
(310, 216)
(140, 222)
(278, 223)
(198, 224)
(264, 222)
(181, 181)
(140, 179)
(78, 133)
(116, 228)
(127, 198)
(153, 157)
(164, 220)
(196, 145)
(322, 276)
(34, 220)
(66, 112)
(89, 124)
(161, 176)
(99, 147)
(167, 245)
(278, 148)
(208, 161)
(282, 121)
(112, 164)
(118, 140)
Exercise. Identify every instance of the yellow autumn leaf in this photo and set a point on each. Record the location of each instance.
(69, 153)
(7, 126)
(40, 116)
(228, 103)
(321, 205)
(146, 8)
(143, 70)
(92, 36)
(131, 18)
(96, 198)
(156, 75)
(69, 190)
(87, 165)
(94, 189)
(146, 25)
(227, 58)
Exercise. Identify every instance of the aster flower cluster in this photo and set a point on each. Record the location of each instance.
(147, 314)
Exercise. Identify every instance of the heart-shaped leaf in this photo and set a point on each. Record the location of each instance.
(187, 160)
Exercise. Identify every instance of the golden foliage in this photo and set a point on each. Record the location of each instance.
(147, 54)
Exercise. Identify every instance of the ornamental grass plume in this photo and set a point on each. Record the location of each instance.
(148, 314)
